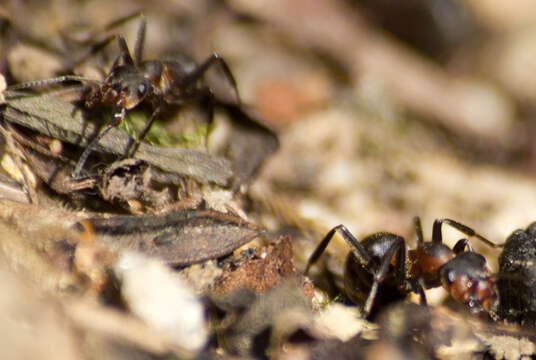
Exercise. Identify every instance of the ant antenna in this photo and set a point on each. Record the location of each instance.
(418, 230)
(56, 80)
(123, 20)
(140, 41)
(437, 237)
(125, 52)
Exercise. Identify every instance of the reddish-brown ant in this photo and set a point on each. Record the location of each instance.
(132, 81)
(377, 273)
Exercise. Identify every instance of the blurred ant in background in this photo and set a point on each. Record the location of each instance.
(133, 81)
(377, 272)
(516, 280)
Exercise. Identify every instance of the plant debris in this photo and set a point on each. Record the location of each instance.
(261, 272)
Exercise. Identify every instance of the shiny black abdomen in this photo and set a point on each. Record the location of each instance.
(358, 278)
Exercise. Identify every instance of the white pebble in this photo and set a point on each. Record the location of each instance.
(162, 299)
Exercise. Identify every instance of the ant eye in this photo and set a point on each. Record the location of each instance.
(142, 88)
(451, 276)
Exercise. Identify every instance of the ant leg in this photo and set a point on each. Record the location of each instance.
(400, 248)
(201, 69)
(134, 145)
(116, 118)
(357, 249)
(56, 80)
(88, 150)
(461, 245)
(207, 103)
(419, 288)
(438, 238)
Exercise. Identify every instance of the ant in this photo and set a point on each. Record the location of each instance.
(376, 271)
(133, 81)
(516, 280)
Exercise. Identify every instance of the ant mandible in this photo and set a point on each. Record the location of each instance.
(376, 271)
(132, 81)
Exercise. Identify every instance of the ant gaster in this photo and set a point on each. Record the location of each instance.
(376, 271)
(132, 81)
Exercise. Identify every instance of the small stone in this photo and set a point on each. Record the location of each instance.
(158, 296)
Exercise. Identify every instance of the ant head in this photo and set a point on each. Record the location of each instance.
(135, 92)
(468, 280)
(126, 85)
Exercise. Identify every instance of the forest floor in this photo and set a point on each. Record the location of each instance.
(359, 113)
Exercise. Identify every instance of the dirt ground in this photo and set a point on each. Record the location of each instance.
(362, 113)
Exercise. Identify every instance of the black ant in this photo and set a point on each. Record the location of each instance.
(132, 81)
(516, 280)
(376, 271)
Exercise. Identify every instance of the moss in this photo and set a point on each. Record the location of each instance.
(193, 135)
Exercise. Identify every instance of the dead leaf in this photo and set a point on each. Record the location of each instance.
(64, 121)
(180, 237)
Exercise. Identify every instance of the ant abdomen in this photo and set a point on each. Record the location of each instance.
(358, 281)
